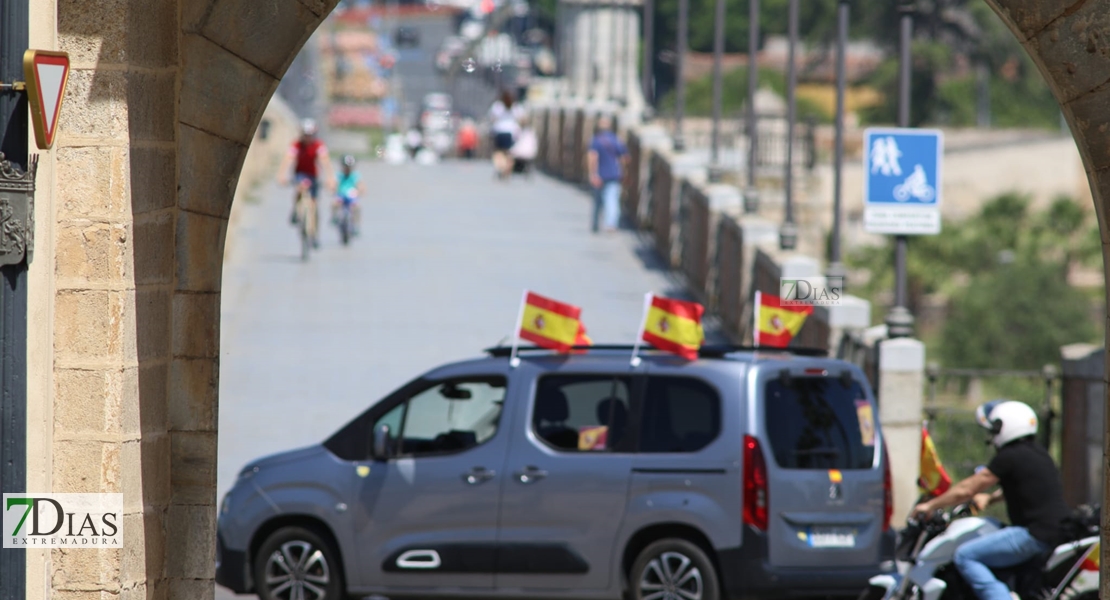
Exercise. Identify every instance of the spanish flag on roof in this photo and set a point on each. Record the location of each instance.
(674, 326)
(775, 324)
(552, 324)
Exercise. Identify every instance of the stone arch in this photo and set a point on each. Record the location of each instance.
(163, 102)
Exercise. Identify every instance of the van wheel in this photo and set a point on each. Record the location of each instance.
(295, 563)
(673, 569)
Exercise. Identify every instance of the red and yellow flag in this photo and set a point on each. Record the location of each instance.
(775, 324)
(674, 326)
(934, 480)
(552, 324)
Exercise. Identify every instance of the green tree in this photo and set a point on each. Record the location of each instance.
(734, 93)
(1004, 233)
(1016, 316)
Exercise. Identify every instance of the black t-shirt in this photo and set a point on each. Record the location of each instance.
(1032, 489)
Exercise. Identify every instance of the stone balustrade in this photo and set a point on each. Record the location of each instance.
(699, 228)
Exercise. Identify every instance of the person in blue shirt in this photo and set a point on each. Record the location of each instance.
(606, 161)
(348, 187)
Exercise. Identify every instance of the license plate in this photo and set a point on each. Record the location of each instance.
(826, 538)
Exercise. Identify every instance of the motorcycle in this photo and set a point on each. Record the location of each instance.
(926, 570)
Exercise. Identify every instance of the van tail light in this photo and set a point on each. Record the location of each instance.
(755, 485)
(888, 492)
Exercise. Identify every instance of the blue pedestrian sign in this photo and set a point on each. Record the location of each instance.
(902, 180)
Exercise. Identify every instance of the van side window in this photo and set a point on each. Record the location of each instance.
(582, 413)
(819, 423)
(680, 414)
(448, 417)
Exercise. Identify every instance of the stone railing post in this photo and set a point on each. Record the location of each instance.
(900, 395)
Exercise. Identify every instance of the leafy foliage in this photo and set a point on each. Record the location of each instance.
(1005, 272)
(1015, 317)
(734, 93)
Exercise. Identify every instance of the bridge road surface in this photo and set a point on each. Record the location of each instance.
(437, 275)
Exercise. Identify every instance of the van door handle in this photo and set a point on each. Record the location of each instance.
(478, 475)
(530, 474)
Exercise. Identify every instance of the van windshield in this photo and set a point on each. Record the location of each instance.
(820, 423)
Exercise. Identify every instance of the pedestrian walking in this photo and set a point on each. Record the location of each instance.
(525, 148)
(504, 127)
(468, 138)
(606, 160)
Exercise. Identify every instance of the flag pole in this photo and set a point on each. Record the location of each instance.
(639, 336)
(514, 361)
(755, 318)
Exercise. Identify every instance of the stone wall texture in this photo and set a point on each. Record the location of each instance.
(162, 103)
(163, 100)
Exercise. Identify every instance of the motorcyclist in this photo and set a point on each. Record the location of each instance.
(1030, 486)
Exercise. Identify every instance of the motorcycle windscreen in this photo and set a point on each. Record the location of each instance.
(825, 479)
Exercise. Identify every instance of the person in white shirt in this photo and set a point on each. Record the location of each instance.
(504, 127)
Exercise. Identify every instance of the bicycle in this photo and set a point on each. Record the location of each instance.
(344, 221)
(306, 219)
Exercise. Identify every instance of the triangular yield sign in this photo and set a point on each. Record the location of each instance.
(46, 74)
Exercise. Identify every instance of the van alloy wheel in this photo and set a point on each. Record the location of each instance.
(298, 571)
(673, 569)
(671, 576)
(298, 563)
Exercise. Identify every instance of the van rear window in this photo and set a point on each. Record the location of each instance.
(820, 423)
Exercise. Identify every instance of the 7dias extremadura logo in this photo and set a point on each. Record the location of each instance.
(63, 520)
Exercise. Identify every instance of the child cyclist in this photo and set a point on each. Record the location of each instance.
(348, 187)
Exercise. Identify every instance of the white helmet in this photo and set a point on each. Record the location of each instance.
(1007, 420)
(308, 127)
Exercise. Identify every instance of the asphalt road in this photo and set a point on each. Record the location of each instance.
(436, 276)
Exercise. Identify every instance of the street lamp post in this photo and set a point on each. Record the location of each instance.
(836, 271)
(900, 321)
(715, 170)
(788, 234)
(614, 53)
(649, 52)
(751, 195)
(680, 83)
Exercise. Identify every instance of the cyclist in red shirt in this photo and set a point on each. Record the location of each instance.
(308, 156)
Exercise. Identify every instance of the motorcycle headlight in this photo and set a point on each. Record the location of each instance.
(225, 506)
(248, 472)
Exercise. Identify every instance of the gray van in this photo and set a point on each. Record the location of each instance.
(744, 473)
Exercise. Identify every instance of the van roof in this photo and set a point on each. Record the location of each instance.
(717, 351)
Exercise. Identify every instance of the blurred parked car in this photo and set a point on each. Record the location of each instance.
(406, 36)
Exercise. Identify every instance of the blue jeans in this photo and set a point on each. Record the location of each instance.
(607, 203)
(1005, 548)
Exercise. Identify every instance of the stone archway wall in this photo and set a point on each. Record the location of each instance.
(162, 104)
(1070, 43)
(163, 101)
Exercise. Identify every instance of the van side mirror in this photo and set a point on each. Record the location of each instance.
(381, 443)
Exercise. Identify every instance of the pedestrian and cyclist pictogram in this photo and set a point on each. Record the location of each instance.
(902, 183)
